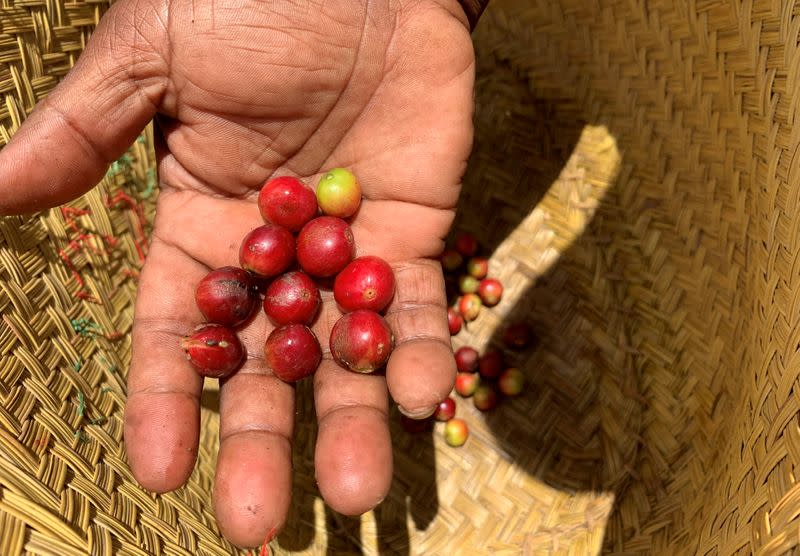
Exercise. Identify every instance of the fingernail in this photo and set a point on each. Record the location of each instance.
(419, 414)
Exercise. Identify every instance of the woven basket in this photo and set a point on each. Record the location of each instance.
(637, 159)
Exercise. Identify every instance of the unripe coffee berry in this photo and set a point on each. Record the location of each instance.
(451, 260)
(467, 383)
(470, 306)
(468, 284)
(511, 382)
(485, 397)
(338, 193)
(478, 267)
(456, 432)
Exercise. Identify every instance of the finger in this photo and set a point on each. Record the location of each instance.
(382, 228)
(353, 457)
(353, 453)
(162, 414)
(253, 481)
(252, 488)
(66, 144)
(421, 370)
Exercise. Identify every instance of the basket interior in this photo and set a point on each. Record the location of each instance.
(633, 179)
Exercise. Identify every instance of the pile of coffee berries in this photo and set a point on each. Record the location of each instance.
(468, 284)
(306, 238)
(486, 378)
(455, 430)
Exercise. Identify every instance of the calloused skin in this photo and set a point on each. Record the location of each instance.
(243, 91)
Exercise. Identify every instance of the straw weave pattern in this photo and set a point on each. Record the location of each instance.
(634, 181)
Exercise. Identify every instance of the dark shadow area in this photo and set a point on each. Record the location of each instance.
(209, 400)
(413, 491)
(300, 530)
(521, 146)
(344, 534)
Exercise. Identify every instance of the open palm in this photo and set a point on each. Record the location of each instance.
(242, 94)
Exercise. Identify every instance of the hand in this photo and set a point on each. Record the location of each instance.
(241, 94)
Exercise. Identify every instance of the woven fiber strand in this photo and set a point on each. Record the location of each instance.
(637, 163)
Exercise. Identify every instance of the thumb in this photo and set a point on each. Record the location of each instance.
(66, 144)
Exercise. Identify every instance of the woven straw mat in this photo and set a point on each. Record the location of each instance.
(637, 161)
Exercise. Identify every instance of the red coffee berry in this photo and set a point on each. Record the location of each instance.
(292, 298)
(511, 382)
(490, 291)
(485, 397)
(446, 410)
(226, 296)
(365, 283)
(478, 267)
(293, 352)
(491, 364)
(470, 306)
(518, 335)
(361, 341)
(466, 244)
(467, 383)
(466, 359)
(214, 350)
(454, 321)
(338, 193)
(287, 202)
(468, 284)
(451, 260)
(324, 246)
(456, 432)
(267, 251)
